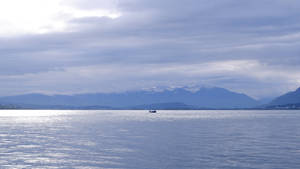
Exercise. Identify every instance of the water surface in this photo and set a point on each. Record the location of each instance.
(140, 140)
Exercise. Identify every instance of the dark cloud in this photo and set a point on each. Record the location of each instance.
(247, 46)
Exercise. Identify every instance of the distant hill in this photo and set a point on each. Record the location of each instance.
(288, 98)
(164, 106)
(216, 98)
(63, 107)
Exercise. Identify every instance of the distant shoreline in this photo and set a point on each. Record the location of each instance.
(149, 109)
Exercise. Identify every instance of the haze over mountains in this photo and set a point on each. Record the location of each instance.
(216, 98)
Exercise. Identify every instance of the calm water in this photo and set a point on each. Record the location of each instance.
(139, 140)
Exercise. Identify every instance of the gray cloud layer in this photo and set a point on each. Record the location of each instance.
(246, 46)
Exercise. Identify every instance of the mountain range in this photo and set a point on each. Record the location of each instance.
(290, 100)
(216, 98)
(178, 98)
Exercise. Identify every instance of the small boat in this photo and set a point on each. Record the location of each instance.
(152, 111)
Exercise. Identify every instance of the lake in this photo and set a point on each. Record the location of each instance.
(141, 140)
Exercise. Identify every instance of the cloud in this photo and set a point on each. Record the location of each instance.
(34, 16)
(235, 74)
(107, 46)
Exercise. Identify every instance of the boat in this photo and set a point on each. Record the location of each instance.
(152, 111)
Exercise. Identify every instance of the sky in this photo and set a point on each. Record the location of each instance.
(79, 46)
